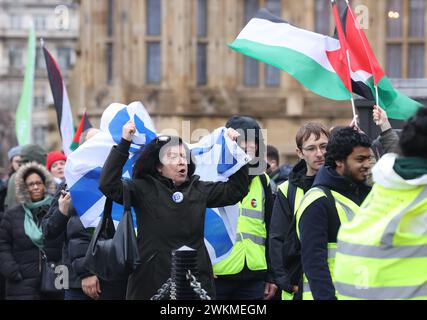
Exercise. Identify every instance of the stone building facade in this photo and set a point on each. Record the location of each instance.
(57, 22)
(173, 56)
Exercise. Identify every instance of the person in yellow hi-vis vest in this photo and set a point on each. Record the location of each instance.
(338, 190)
(382, 253)
(244, 273)
(311, 141)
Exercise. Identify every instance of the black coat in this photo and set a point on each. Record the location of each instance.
(20, 258)
(77, 239)
(164, 225)
(280, 227)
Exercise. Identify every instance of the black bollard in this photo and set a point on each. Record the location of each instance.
(184, 259)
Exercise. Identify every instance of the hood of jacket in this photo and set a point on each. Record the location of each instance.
(33, 152)
(328, 177)
(281, 173)
(22, 194)
(384, 174)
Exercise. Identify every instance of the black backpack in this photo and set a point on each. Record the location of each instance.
(292, 246)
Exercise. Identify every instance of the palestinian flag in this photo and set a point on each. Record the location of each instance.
(83, 126)
(367, 72)
(315, 60)
(61, 102)
(301, 53)
(342, 68)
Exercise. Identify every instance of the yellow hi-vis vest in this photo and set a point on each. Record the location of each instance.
(346, 209)
(382, 253)
(251, 234)
(299, 195)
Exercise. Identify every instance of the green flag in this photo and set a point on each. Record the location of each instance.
(25, 106)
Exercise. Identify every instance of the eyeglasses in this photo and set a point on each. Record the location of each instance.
(163, 139)
(313, 149)
(33, 184)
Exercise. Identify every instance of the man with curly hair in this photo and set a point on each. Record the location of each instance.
(338, 190)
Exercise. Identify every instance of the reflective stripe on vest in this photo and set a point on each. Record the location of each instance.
(390, 262)
(251, 234)
(346, 210)
(382, 293)
(255, 239)
(332, 250)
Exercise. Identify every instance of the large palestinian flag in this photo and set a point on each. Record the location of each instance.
(301, 53)
(313, 59)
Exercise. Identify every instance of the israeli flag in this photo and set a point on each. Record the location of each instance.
(84, 165)
(216, 157)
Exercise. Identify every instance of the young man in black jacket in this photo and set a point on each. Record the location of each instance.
(338, 190)
(311, 141)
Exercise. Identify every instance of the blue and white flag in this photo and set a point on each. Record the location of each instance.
(83, 167)
(216, 157)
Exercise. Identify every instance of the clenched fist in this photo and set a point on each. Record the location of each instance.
(129, 130)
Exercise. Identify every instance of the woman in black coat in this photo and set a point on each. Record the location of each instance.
(21, 238)
(170, 204)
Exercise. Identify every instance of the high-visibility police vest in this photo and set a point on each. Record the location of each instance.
(346, 210)
(251, 234)
(382, 253)
(294, 195)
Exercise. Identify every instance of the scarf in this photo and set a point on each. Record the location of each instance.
(410, 167)
(33, 231)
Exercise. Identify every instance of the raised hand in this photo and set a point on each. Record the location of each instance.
(232, 134)
(380, 118)
(129, 130)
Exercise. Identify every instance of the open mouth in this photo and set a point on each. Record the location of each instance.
(182, 171)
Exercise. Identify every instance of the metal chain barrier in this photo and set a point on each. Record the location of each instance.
(164, 290)
(197, 287)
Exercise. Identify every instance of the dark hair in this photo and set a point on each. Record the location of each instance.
(413, 139)
(148, 158)
(342, 143)
(248, 126)
(307, 130)
(30, 171)
(273, 153)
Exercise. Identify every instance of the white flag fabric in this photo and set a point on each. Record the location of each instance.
(84, 165)
(216, 157)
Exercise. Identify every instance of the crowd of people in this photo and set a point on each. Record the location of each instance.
(347, 221)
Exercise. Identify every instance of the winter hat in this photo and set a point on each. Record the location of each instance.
(33, 152)
(54, 156)
(15, 151)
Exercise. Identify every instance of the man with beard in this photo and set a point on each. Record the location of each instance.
(338, 190)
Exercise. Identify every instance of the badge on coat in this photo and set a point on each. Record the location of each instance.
(177, 197)
(253, 203)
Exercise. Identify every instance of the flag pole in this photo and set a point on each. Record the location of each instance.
(358, 28)
(353, 106)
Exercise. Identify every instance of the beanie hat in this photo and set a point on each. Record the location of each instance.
(54, 156)
(15, 151)
(33, 152)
